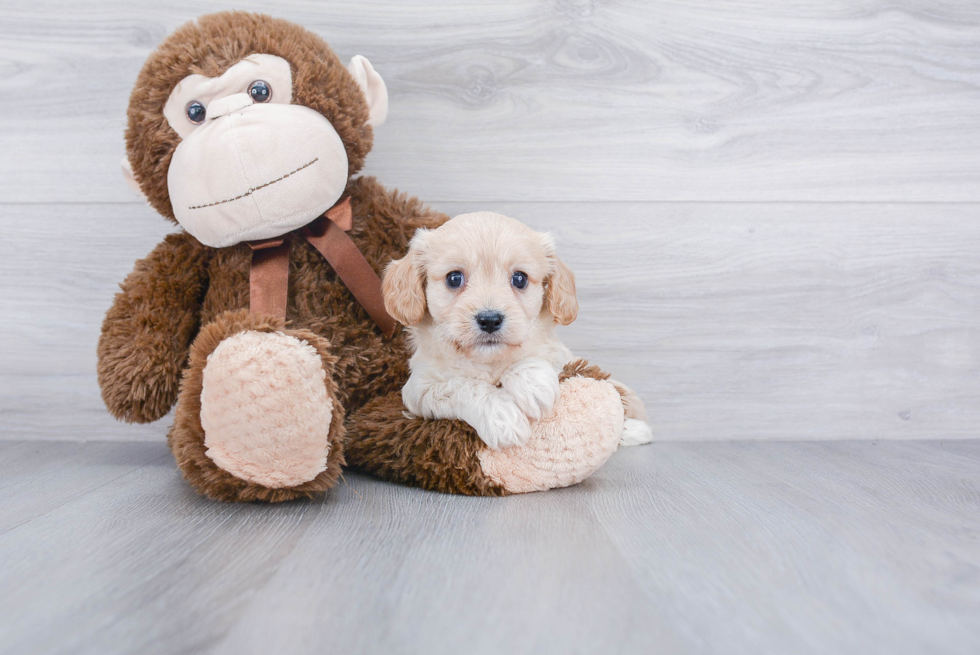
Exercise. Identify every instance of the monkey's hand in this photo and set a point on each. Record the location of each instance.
(533, 384)
(146, 334)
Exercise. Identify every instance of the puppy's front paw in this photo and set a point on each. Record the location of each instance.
(533, 384)
(503, 424)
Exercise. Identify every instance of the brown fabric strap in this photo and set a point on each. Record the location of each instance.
(269, 276)
(328, 236)
(341, 214)
(268, 283)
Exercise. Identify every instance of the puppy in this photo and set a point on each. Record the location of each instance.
(480, 296)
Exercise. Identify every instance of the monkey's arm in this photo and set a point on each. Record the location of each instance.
(146, 334)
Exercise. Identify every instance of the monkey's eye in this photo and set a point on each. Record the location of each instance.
(454, 280)
(260, 91)
(519, 279)
(196, 112)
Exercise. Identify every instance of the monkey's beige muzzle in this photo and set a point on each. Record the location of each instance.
(255, 171)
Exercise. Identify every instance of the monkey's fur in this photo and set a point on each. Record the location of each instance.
(181, 301)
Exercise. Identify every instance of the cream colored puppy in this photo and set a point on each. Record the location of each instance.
(481, 296)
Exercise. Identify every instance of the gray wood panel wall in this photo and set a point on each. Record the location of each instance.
(773, 208)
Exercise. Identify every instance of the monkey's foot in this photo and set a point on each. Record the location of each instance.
(266, 424)
(265, 410)
(566, 446)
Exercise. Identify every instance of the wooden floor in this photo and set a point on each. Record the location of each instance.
(725, 547)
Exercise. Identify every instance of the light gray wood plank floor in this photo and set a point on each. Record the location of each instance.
(764, 547)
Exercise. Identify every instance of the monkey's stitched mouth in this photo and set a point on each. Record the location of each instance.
(262, 186)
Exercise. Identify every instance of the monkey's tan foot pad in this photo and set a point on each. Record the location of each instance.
(567, 446)
(265, 409)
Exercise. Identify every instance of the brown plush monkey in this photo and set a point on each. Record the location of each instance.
(248, 132)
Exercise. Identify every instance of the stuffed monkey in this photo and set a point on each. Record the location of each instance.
(260, 318)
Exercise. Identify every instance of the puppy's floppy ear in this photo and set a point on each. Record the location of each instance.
(559, 292)
(403, 285)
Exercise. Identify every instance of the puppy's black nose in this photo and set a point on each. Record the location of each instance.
(489, 322)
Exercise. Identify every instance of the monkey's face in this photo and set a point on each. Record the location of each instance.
(244, 127)
(250, 165)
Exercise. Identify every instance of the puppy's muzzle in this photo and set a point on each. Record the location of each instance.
(490, 321)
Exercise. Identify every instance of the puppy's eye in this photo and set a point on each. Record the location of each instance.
(519, 279)
(260, 91)
(454, 280)
(196, 112)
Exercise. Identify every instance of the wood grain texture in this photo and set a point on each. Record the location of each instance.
(778, 321)
(844, 547)
(758, 308)
(562, 100)
(732, 321)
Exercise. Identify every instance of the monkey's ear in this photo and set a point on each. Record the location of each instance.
(131, 182)
(373, 87)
